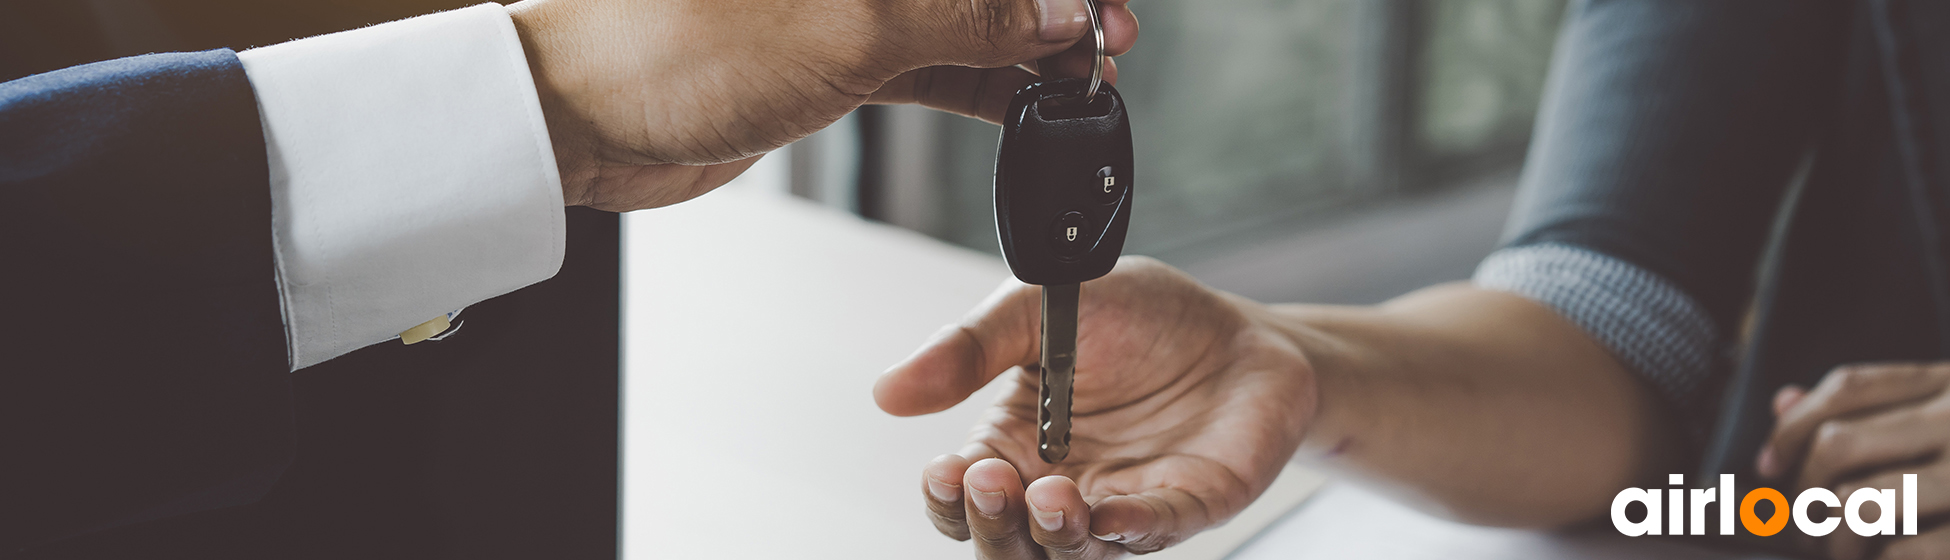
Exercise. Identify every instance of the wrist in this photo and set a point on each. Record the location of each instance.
(557, 82)
(1333, 363)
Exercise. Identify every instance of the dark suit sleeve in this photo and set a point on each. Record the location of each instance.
(142, 352)
(1671, 131)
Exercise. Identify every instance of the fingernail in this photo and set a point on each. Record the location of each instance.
(1113, 537)
(1063, 19)
(944, 492)
(989, 503)
(1765, 464)
(1051, 521)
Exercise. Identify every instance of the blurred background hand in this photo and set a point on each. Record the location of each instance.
(1188, 402)
(1864, 426)
(650, 103)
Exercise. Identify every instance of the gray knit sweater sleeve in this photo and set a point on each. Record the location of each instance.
(1652, 327)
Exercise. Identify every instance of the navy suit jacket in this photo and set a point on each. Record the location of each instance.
(142, 353)
(142, 361)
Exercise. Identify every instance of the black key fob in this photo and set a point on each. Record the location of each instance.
(1063, 182)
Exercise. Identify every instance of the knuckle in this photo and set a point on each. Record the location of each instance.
(1070, 549)
(1850, 378)
(920, 84)
(1149, 545)
(997, 540)
(944, 512)
(994, 19)
(993, 26)
(1934, 413)
(1832, 438)
(1152, 543)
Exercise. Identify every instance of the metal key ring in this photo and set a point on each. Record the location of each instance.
(1097, 63)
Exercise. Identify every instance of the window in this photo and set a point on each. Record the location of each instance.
(1252, 119)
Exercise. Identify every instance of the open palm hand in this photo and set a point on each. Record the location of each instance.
(1188, 401)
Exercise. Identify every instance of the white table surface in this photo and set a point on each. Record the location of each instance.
(749, 427)
(754, 327)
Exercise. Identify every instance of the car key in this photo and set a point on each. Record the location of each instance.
(1063, 191)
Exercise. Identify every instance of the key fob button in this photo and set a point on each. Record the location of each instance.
(1071, 234)
(1108, 187)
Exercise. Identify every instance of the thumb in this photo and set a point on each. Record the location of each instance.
(1001, 333)
(987, 33)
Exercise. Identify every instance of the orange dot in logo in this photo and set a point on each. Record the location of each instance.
(1774, 523)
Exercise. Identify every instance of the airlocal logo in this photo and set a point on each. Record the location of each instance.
(1885, 501)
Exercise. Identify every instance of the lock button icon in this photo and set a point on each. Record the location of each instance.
(1071, 234)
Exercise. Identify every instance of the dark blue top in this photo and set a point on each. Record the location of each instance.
(1672, 137)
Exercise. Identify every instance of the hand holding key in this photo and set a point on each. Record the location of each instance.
(1188, 401)
(653, 103)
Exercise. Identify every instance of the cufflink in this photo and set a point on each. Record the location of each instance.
(436, 330)
(425, 330)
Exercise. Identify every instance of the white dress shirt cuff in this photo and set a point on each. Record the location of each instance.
(411, 175)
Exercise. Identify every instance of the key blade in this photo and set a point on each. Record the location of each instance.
(1059, 371)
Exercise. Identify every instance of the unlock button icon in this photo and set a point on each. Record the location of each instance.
(1108, 187)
